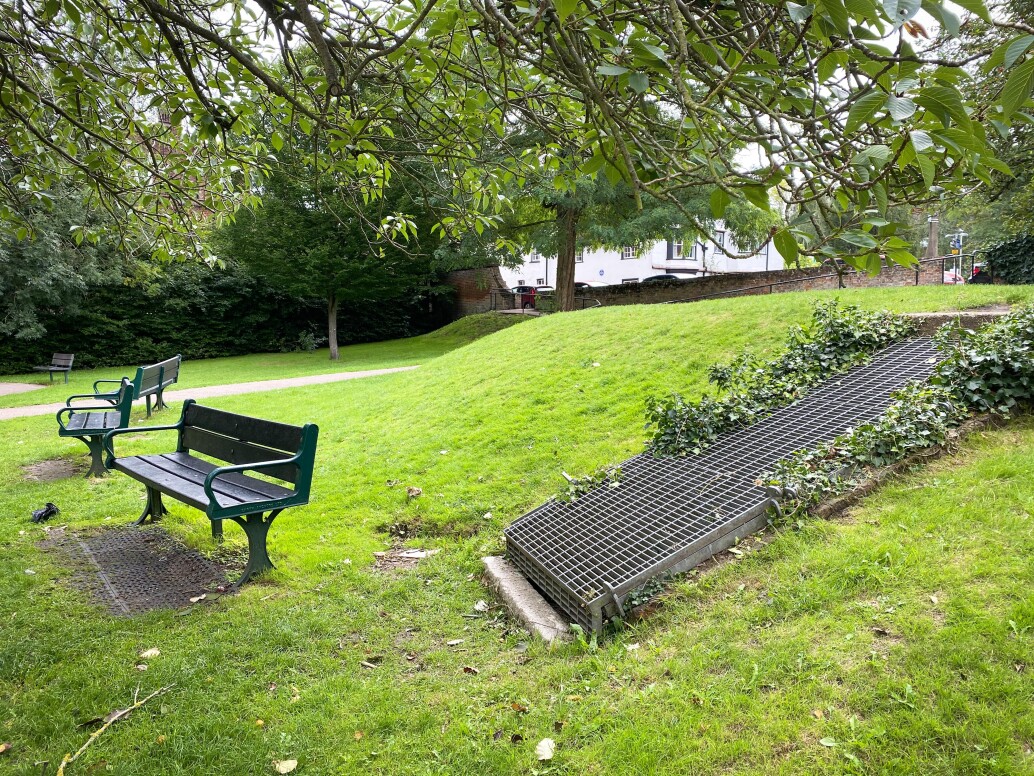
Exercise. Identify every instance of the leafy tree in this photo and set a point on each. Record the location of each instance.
(160, 105)
(295, 239)
(46, 266)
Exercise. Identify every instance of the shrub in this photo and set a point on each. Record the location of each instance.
(1013, 260)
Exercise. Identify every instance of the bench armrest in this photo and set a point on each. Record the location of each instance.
(94, 396)
(242, 467)
(117, 382)
(109, 445)
(70, 410)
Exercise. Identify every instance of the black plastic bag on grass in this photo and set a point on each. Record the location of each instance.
(40, 515)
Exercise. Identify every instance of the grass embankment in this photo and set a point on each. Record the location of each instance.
(898, 640)
(274, 366)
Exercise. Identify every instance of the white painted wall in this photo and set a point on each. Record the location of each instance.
(611, 267)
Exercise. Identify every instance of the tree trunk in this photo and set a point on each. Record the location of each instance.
(332, 326)
(567, 223)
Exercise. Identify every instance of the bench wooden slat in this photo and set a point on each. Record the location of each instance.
(235, 451)
(94, 421)
(266, 433)
(234, 484)
(155, 476)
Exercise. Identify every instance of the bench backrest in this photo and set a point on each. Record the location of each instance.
(239, 439)
(62, 360)
(149, 379)
(124, 405)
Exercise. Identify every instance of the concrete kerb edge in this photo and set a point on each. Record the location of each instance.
(524, 602)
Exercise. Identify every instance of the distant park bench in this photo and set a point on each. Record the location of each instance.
(276, 450)
(59, 362)
(91, 422)
(149, 381)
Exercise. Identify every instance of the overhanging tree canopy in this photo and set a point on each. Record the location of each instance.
(156, 103)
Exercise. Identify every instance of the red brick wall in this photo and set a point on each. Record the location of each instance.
(810, 279)
(474, 289)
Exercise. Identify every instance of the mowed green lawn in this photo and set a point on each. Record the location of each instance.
(900, 639)
(271, 366)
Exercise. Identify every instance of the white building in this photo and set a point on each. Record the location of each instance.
(610, 267)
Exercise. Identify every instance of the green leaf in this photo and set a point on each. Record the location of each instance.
(837, 15)
(611, 70)
(276, 141)
(639, 82)
(945, 102)
(863, 109)
(975, 6)
(757, 195)
(921, 141)
(800, 13)
(949, 21)
(1017, 49)
(565, 8)
(828, 741)
(928, 168)
(1017, 88)
(720, 200)
(900, 11)
(900, 108)
(786, 245)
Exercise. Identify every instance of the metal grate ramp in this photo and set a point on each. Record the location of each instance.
(670, 514)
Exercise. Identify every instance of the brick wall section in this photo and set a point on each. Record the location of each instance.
(809, 279)
(474, 289)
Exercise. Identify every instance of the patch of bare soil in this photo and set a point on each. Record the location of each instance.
(400, 558)
(55, 469)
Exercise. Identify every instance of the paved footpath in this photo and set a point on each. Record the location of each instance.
(219, 390)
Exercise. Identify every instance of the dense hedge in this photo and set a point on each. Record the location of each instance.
(200, 312)
(1013, 260)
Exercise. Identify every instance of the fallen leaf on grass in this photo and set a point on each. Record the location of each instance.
(520, 708)
(818, 713)
(284, 766)
(481, 606)
(412, 492)
(197, 598)
(358, 735)
(141, 667)
(933, 599)
(559, 725)
(454, 642)
(366, 664)
(516, 738)
(149, 653)
(470, 670)
(497, 735)
(295, 696)
(737, 553)
(828, 742)
(545, 749)
(5, 747)
(259, 723)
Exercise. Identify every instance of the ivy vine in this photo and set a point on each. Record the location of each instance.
(750, 388)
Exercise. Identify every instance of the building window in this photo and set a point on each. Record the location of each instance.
(535, 258)
(520, 282)
(540, 282)
(720, 239)
(628, 252)
(580, 255)
(629, 280)
(676, 249)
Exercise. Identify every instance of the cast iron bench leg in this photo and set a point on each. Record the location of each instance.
(148, 405)
(159, 402)
(95, 443)
(154, 508)
(256, 526)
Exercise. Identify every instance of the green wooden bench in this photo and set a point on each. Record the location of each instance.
(147, 382)
(91, 422)
(59, 362)
(275, 450)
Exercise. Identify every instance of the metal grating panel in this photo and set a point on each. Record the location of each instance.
(584, 556)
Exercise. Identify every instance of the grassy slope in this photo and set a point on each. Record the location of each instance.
(271, 366)
(889, 634)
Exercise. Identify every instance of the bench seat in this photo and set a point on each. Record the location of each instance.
(182, 476)
(91, 423)
(99, 422)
